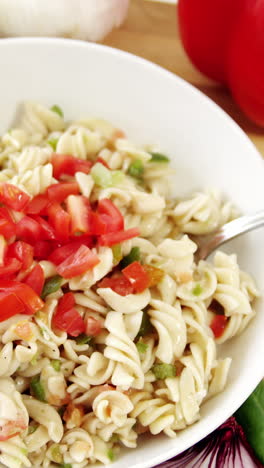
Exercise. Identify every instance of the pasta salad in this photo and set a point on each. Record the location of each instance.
(108, 327)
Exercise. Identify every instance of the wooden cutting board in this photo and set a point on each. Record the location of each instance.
(151, 31)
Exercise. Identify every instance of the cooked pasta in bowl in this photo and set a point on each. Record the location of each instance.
(112, 336)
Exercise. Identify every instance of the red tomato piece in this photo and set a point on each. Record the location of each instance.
(59, 192)
(119, 284)
(13, 197)
(5, 213)
(67, 318)
(92, 326)
(116, 237)
(42, 250)
(107, 207)
(10, 305)
(246, 61)
(25, 293)
(75, 323)
(78, 209)
(38, 205)
(205, 28)
(7, 228)
(218, 325)
(62, 253)
(35, 279)
(79, 262)
(46, 230)
(137, 276)
(66, 302)
(28, 229)
(68, 164)
(60, 220)
(98, 225)
(22, 252)
(7, 225)
(11, 266)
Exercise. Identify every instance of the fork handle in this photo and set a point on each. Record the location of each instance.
(231, 230)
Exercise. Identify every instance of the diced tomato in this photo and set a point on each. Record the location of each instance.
(79, 262)
(99, 223)
(42, 250)
(218, 325)
(7, 225)
(137, 276)
(7, 228)
(11, 429)
(82, 166)
(66, 302)
(62, 253)
(67, 164)
(25, 293)
(10, 305)
(59, 192)
(78, 209)
(13, 197)
(92, 326)
(46, 230)
(116, 237)
(38, 205)
(35, 279)
(60, 220)
(74, 323)
(107, 207)
(67, 318)
(5, 213)
(119, 284)
(28, 229)
(11, 266)
(22, 252)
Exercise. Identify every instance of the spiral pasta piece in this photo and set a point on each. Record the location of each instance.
(35, 181)
(121, 349)
(39, 121)
(171, 328)
(203, 213)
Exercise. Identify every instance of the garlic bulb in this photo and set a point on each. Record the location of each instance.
(79, 19)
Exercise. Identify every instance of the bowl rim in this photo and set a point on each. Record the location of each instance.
(150, 67)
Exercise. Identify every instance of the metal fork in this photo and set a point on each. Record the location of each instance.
(208, 243)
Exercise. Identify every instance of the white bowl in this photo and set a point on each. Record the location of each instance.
(206, 146)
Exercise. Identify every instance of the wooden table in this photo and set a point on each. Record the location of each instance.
(151, 31)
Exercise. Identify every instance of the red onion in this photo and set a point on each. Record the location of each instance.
(226, 447)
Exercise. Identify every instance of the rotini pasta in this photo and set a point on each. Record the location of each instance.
(110, 329)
